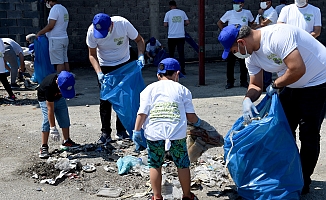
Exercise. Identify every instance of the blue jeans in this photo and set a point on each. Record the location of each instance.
(60, 112)
(305, 107)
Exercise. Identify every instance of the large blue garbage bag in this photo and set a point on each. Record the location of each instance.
(262, 157)
(42, 63)
(191, 42)
(122, 88)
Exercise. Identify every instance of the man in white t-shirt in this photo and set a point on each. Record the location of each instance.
(278, 8)
(108, 46)
(302, 15)
(56, 31)
(301, 75)
(152, 48)
(242, 17)
(176, 20)
(3, 76)
(14, 50)
(266, 15)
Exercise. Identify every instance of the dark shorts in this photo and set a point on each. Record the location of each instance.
(178, 151)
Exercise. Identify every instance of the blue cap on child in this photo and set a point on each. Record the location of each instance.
(169, 64)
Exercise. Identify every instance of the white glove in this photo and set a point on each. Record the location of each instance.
(141, 59)
(54, 134)
(100, 77)
(270, 90)
(248, 107)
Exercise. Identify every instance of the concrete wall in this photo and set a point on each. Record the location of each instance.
(21, 17)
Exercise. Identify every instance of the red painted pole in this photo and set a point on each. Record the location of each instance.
(201, 37)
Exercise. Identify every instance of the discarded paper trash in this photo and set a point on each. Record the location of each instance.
(109, 192)
(199, 139)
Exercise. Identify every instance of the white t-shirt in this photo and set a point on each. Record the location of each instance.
(233, 17)
(279, 8)
(60, 14)
(175, 19)
(150, 48)
(270, 14)
(114, 48)
(165, 103)
(15, 46)
(277, 42)
(305, 18)
(2, 51)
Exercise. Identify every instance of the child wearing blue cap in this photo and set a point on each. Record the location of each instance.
(165, 107)
(51, 95)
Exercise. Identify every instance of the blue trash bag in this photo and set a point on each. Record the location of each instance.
(122, 88)
(191, 42)
(42, 63)
(159, 57)
(262, 157)
(126, 163)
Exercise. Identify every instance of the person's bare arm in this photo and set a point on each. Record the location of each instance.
(187, 22)
(192, 117)
(255, 86)
(296, 68)
(92, 55)
(316, 32)
(140, 44)
(47, 28)
(22, 63)
(165, 24)
(220, 24)
(140, 119)
(50, 106)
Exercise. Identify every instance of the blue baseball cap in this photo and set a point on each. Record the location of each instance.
(169, 64)
(227, 38)
(238, 1)
(66, 82)
(152, 41)
(101, 23)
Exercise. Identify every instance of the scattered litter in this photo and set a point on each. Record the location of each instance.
(109, 169)
(109, 192)
(89, 168)
(39, 189)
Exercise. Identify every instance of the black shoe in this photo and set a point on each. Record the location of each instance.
(305, 190)
(44, 151)
(69, 145)
(229, 85)
(121, 135)
(104, 139)
(244, 84)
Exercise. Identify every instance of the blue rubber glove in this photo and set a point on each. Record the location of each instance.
(100, 77)
(197, 124)
(142, 59)
(136, 136)
(270, 90)
(248, 107)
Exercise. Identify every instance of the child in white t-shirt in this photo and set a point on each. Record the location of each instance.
(3, 76)
(152, 48)
(165, 107)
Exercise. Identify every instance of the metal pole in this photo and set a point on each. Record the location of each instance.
(201, 36)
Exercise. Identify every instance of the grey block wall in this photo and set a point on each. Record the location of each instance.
(21, 17)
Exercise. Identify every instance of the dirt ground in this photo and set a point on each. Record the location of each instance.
(20, 124)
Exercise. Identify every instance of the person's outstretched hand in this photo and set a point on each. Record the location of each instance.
(142, 59)
(270, 90)
(248, 107)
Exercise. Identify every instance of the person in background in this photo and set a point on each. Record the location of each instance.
(301, 77)
(176, 20)
(165, 107)
(56, 31)
(12, 51)
(152, 48)
(3, 76)
(279, 7)
(302, 15)
(240, 16)
(108, 46)
(267, 15)
(51, 94)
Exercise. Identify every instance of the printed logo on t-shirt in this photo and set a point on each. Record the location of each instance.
(66, 17)
(275, 59)
(169, 111)
(119, 40)
(244, 19)
(308, 17)
(176, 19)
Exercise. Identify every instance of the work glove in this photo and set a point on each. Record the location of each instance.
(142, 59)
(197, 124)
(100, 77)
(248, 107)
(54, 134)
(270, 90)
(136, 136)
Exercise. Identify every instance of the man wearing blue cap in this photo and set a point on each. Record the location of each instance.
(165, 107)
(301, 74)
(242, 17)
(51, 95)
(108, 46)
